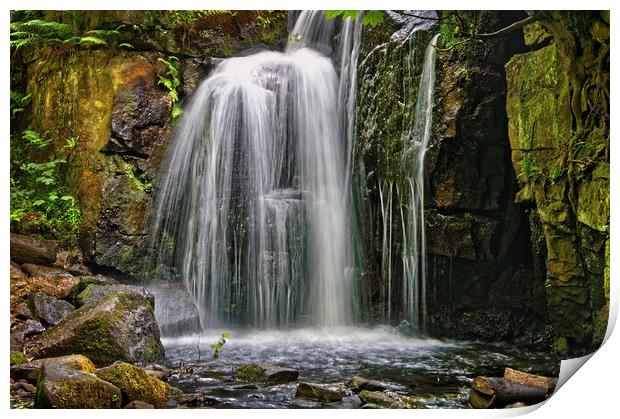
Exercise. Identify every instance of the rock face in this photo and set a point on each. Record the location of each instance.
(563, 179)
(135, 384)
(119, 326)
(175, 310)
(266, 373)
(480, 271)
(66, 388)
(111, 100)
(320, 392)
(49, 309)
(25, 249)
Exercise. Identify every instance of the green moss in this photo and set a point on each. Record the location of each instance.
(18, 358)
(250, 372)
(135, 384)
(139, 178)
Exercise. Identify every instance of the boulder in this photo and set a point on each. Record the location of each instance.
(40, 270)
(320, 392)
(66, 388)
(135, 384)
(56, 286)
(95, 291)
(98, 279)
(30, 371)
(137, 404)
(357, 384)
(389, 400)
(72, 261)
(28, 249)
(266, 373)
(119, 326)
(49, 309)
(175, 310)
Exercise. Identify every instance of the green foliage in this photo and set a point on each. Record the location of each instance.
(528, 166)
(40, 203)
(217, 347)
(171, 82)
(555, 172)
(372, 17)
(41, 33)
(18, 102)
(139, 178)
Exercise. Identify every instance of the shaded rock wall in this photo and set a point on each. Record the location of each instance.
(559, 133)
(110, 100)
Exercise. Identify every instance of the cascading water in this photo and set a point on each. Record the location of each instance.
(414, 235)
(254, 210)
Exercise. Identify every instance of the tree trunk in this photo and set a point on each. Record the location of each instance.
(487, 392)
(531, 380)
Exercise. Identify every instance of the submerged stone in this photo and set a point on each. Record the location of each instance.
(389, 400)
(266, 373)
(357, 384)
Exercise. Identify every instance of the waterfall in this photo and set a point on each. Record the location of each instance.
(414, 237)
(254, 207)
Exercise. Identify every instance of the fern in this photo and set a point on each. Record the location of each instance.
(92, 40)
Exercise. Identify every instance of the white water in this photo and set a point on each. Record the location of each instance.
(414, 232)
(254, 210)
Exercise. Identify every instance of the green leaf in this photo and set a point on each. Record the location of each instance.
(126, 45)
(373, 18)
(226, 335)
(38, 202)
(92, 40)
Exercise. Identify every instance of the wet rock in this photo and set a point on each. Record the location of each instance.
(119, 326)
(65, 388)
(389, 400)
(160, 375)
(266, 373)
(357, 384)
(18, 358)
(49, 309)
(28, 249)
(135, 384)
(137, 404)
(175, 310)
(320, 392)
(94, 291)
(98, 279)
(371, 406)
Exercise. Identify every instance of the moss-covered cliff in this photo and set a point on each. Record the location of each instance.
(118, 102)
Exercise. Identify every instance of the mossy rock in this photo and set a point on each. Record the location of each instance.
(65, 388)
(265, 373)
(30, 370)
(135, 384)
(96, 291)
(120, 326)
(389, 400)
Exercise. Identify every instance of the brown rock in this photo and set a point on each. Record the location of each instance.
(26, 249)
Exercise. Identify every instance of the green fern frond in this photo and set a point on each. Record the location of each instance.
(92, 40)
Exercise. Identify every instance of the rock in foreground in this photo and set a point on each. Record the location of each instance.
(389, 400)
(320, 392)
(117, 327)
(135, 384)
(65, 388)
(266, 373)
(49, 309)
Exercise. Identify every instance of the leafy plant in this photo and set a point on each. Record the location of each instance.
(19, 102)
(40, 203)
(528, 166)
(555, 172)
(217, 347)
(372, 17)
(171, 82)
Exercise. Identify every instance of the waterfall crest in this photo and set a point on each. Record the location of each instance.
(254, 208)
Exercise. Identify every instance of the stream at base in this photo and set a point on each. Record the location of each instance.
(437, 372)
